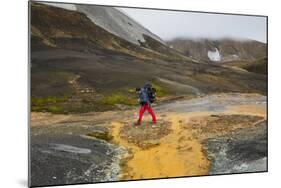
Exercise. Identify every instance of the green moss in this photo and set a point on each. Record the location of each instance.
(160, 90)
(131, 90)
(52, 108)
(119, 98)
(55, 109)
(48, 100)
(49, 104)
(36, 108)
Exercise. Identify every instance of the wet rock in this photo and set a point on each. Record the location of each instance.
(60, 158)
(103, 135)
(244, 151)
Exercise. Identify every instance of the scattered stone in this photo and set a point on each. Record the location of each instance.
(100, 135)
(145, 136)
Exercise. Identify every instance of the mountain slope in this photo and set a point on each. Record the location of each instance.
(116, 22)
(113, 21)
(222, 50)
(257, 66)
(61, 28)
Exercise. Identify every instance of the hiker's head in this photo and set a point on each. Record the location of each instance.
(137, 89)
(147, 85)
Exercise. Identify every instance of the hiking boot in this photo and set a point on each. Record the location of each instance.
(137, 123)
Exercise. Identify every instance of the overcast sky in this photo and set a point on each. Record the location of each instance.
(173, 24)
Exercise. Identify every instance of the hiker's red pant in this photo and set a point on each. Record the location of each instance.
(149, 109)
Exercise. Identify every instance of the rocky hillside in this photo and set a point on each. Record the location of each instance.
(117, 23)
(223, 50)
(92, 27)
(79, 64)
(113, 21)
(257, 66)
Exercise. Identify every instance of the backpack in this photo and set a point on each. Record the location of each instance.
(143, 95)
(151, 92)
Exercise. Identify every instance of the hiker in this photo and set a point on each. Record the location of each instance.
(147, 96)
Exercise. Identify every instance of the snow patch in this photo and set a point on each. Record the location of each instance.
(214, 55)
